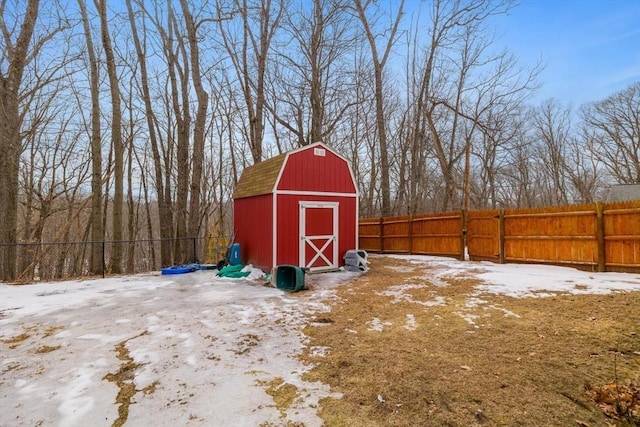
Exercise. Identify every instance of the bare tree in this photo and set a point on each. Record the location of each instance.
(97, 232)
(163, 193)
(519, 174)
(48, 168)
(552, 127)
(200, 122)
(361, 142)
(616, 140)
(494, 119)
(115, 263)
(583, 169)
(15, 54)
(502, 125)
(249, 54)
(379, 61)
(175, 98)
(130, 135)
(312, 94)
(224, 159)
(456, 27)
(20, 48)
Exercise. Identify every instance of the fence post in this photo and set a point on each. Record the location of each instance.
(602, 266)
(104, 263)
(501, 257)
(194, 257)
(463, 234)
(410, 234)
(381, 235)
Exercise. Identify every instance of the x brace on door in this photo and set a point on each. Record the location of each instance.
(319, 253)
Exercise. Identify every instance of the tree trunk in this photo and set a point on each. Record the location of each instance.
(97, 232)
(199, 126)
(378, 67)
(164, 203)
(115, 262)
(180, 102)
(132, 205)
(10, 140)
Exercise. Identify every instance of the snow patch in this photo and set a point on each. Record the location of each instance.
(399, 294)
(377, 325)
(76, 397)
(469, 318)
(318, 351)
(411, 324)
(507, 313)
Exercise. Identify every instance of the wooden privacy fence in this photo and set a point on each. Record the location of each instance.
(596, 237)
(428, 234)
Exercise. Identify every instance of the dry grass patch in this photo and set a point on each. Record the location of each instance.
(288, 424)
(123, 378)
(283, 393)
(13, 342)
(473, 360)
(245, 343)
(47, 349)
(52, 330)
(151, 388)
(11, 366)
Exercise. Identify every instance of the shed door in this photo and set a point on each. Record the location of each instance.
(319, 235)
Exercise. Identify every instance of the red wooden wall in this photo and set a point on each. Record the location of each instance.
(253, 224)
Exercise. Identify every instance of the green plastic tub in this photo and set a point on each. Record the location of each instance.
(289, 278)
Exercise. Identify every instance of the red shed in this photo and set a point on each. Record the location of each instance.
(298, 208)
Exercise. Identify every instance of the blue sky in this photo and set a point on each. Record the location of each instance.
(591, 48)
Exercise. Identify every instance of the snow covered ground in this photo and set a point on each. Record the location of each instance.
(204, 347)
(527, 280)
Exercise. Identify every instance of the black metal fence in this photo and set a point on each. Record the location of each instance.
(65, 260)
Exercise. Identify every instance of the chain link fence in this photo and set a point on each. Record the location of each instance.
(37, 262)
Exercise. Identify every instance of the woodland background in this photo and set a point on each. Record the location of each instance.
(133, 119)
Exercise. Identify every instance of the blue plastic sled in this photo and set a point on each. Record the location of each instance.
(180, 269)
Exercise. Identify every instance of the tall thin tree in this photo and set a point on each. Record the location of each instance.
(97, 232)
(115, 262)
(202, 97)
(163, 193)
(379, 62)
(17, 55)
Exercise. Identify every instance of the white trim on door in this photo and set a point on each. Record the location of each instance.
(325, 240)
